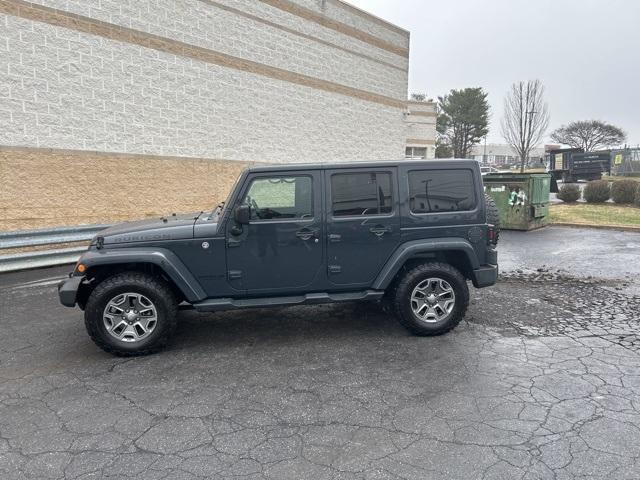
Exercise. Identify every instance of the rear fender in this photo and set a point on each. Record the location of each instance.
(411, 249)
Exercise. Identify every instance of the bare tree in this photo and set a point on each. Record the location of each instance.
(589, 135)
(419, 97)
(526, 118)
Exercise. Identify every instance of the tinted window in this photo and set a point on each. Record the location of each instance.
(361, 194)
(280, 197)
(441, 191)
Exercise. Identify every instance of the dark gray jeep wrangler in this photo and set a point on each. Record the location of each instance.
(410, 233)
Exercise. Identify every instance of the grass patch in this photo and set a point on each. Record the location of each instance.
(617, 178)
(595, 214)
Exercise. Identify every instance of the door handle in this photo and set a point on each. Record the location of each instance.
(379, 230)
(306, 233)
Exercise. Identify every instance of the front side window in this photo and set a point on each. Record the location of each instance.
(280, 198)
(441, 191)
(367, 193)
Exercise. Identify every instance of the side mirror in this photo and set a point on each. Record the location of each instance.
(242, 214)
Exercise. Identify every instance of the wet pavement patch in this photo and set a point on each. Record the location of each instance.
(551, 303)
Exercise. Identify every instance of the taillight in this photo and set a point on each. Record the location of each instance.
(491, 234)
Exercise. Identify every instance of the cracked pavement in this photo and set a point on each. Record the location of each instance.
(542, 381)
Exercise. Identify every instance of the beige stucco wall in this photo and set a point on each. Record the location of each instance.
(40, 188)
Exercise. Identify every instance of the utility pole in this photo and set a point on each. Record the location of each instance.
(484, 153)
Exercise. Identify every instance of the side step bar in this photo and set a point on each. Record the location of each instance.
(218, 304)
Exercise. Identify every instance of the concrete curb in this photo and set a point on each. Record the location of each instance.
(622, 228)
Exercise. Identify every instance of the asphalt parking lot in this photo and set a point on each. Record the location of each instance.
(542, 381)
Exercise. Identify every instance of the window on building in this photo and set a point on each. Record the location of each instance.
(441, 191)
(415, 152)
(367, 193)
(280, 197)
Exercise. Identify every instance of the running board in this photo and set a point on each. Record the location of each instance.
(217, 304)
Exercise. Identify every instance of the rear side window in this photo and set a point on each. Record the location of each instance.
(441, 191)
(367, 193)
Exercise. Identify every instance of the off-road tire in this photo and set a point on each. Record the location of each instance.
(493, 215)
(401, 298)
(154, 288)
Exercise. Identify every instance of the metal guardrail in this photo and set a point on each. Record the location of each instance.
(36, 238)
(48, 236)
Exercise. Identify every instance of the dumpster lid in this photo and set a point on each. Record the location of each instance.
(512, 177)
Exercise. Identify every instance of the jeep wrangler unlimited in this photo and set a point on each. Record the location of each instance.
(410, 233)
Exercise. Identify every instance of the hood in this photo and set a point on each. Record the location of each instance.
(172, 227)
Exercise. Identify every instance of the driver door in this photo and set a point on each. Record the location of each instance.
(279, 250)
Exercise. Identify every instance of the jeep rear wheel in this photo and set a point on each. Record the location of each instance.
(431, 299)
(131, 313)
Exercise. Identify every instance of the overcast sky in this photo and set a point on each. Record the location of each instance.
(586, 52)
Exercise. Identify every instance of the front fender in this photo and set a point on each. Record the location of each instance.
(410, 249)
(166, 260)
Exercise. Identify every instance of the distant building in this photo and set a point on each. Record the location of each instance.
(420, 121)
(503, 154)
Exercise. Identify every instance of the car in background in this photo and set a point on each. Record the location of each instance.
(485, 170)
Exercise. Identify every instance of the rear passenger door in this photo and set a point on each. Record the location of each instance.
(363, 223)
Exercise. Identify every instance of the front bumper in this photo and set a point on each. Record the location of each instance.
(485, 276)
(68, 290)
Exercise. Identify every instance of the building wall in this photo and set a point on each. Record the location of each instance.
(224, 80)
(420, 121)
(67, 187)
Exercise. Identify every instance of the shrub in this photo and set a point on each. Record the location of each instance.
(624, 191)
(597, 191)
(637, 199)
(569, 193)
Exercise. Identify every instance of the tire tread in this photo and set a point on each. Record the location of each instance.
(493, 215)
(399, 298)
(147, 281)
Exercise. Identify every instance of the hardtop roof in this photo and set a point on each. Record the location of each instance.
(443, 163)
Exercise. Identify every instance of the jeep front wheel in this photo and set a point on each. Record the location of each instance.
(130, 314)
(431, 299)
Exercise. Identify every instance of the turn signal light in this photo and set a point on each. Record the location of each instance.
(81, 268)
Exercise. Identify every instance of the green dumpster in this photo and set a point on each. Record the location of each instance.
(522, 198)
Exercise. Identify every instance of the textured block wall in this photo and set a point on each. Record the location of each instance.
(51, 188)
(421, 126)
(226, 80)
(71, 89)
